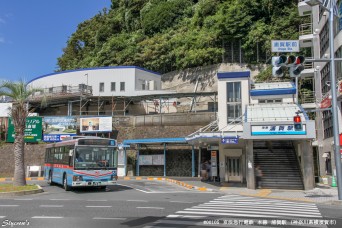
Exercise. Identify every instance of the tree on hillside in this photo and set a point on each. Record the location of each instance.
(19, 93)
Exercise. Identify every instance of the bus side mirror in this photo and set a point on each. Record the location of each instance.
(71, 153)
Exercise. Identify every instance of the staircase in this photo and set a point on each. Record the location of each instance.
(279, 165)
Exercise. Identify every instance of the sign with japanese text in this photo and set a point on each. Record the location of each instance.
(32, 132)
(326, 102)
(231, 140)
(55, 128)
(285, 45)
(285, 129)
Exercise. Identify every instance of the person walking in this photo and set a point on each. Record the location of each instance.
(258, 175)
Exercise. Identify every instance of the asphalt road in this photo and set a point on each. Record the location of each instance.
(155, 204)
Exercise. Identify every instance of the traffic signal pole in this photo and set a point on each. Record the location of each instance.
(334, 103)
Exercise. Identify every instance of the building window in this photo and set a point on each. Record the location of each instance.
(327, 156)
(101, 87)
(122, 86)
(324, 39)
(327, 124)
(234, 105)
(325, 78)
(112, 86)
(270, 101)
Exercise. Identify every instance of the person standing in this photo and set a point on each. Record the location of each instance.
(258, 175)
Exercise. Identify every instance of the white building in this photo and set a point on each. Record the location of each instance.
(256, 127)
(100, 91)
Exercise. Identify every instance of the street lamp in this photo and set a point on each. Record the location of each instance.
(332, 12)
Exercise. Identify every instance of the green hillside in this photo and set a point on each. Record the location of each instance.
(167, 35)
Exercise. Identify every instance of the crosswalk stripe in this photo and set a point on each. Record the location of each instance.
(263, 207)
(257, 210)
(259, 204)
(241, 207)
(264, 213)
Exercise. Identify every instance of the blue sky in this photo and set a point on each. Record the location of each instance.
(33, 33)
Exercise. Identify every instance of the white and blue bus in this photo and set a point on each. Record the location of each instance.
(80, 162)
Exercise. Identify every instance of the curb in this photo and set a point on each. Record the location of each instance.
(180, 183)
(21, 193)
(184, 184)
(27, 178)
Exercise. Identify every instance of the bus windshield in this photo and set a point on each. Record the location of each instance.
(92, 157)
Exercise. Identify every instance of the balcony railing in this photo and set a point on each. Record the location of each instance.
(305, 29)
(307, 97)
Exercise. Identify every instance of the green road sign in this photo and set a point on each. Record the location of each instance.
(33, 130)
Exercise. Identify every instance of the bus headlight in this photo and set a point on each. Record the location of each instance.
(77, 178)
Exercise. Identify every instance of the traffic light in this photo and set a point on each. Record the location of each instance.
(297, 67)
(282, 62)
(279, 65)
(297, 123)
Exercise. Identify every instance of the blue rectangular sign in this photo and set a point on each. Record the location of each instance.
(229, 140)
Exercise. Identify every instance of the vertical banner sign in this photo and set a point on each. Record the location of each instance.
(214, 163)
(32, 132)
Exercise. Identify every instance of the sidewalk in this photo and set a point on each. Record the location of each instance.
(320, 194)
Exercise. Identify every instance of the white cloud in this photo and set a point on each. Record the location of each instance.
(2, 40)
(2, 21)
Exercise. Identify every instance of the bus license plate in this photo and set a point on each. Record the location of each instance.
(96, 183)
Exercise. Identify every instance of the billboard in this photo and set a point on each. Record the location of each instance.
(96, 124)
(32, 132)
(55, 128)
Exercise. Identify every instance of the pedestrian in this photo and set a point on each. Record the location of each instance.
(258, 175)
(204, 173)
(209, 171)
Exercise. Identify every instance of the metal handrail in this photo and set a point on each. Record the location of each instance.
(205, 128)
(233, 123)
(305, 29)
(307, 97)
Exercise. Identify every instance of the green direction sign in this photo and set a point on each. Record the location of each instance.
(33, 130)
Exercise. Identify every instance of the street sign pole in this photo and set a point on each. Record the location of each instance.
(334, 102)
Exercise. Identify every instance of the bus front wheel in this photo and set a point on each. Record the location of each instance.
(65, 183)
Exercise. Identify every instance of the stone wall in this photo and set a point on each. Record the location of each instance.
(34, 155)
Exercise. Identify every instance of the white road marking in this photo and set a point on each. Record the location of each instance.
(133, 188)
(137, 200)
(98, 206)
(9, 205)
(46, 217)
(173, 216)
(160, 208)
(2, 216)
(51, 206)
(110, 218)
(23, 199)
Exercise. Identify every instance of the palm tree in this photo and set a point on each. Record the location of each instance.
(19, 93)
